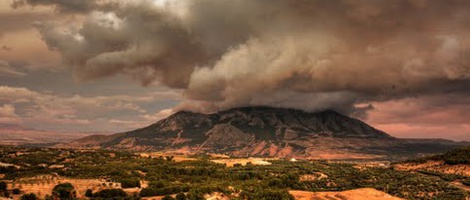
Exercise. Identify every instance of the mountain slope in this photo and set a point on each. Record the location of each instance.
(255, 131)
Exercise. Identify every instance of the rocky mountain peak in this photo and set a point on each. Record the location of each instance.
(247, 131)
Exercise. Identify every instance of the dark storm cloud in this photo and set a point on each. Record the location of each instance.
(309, 54)
(61, 5)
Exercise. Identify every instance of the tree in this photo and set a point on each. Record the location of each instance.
(30, 196)
(130, 183)
(180, 196)
(89, 193)
(110, 194)
(168, 197)
(3, 186)
(64, 191)
(16, 191)
(195, 196)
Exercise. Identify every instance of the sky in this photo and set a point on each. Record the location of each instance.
(106, 66)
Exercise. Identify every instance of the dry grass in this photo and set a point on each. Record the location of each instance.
(243, 161)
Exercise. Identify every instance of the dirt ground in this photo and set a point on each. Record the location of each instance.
(358, 194)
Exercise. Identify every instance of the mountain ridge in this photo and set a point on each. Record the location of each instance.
(256, 131)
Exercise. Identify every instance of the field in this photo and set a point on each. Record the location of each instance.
(157, 175)
(42, 185)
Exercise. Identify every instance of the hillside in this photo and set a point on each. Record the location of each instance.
(264, 131)
(456, 161)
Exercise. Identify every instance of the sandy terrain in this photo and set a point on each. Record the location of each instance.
(358, 194)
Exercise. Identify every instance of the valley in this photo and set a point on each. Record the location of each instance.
(108, 174)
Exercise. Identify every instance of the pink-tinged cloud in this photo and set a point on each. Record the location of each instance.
(460, 132)
(424, 117)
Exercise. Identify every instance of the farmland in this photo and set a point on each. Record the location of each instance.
(103, 174)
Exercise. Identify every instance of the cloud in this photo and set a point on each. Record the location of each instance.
(310, 55)
(430, 116)
(74, 6)
(6, 69)
(162, 114)
(14, 22)
(8, 115)
(45, 109)
(457, 132)
(6, 48)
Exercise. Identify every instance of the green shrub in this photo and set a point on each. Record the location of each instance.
(130, 183)
(3, 186)
(168, 197)
(180, 196)
(16, 191)
(89, 193)
(110, 194)
(64, 191)
(30, 196)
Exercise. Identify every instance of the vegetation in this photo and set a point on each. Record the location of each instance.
(3, 186)
(130, 183)
(110, 194)
(180, 196)
(194, 179)
(64, 191)
(466, 182)
(3, 189)
(452, 157)
(16, 191)
(89, 193)
(30, 196)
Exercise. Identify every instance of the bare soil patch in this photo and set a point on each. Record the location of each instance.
(358, 194)
(243, 161)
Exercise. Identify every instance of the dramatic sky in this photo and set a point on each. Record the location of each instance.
(114, 65)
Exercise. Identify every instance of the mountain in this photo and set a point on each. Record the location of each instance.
(259, 131)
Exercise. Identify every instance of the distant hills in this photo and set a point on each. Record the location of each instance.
(17, 135)
(268, 132)
(452, 166)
